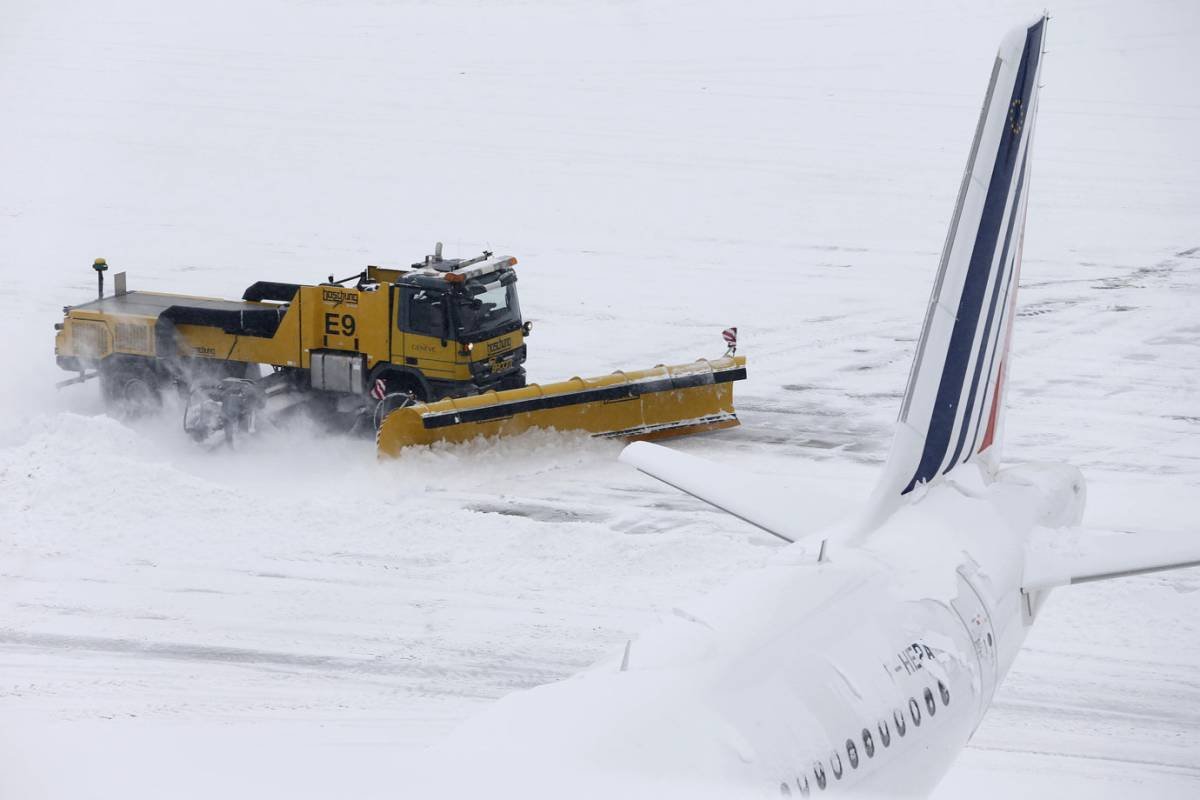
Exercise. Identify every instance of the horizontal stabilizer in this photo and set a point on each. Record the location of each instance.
(1098, 556)
(775, 509)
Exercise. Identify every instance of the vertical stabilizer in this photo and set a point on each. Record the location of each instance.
(953, 407)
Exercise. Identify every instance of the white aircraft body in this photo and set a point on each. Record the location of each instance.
(864, 657)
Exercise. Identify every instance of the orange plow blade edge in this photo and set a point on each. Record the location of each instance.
(648, 404)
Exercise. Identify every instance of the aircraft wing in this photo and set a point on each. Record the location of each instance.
(775, 509)
(1100, 555)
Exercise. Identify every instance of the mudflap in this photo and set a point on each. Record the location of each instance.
(655, 403)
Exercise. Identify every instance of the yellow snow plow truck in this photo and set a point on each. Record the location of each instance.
(430, 353)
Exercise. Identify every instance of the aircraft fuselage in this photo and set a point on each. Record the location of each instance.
(863, 674)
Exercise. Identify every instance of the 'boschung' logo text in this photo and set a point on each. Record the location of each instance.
(337, 298)
(499, 344)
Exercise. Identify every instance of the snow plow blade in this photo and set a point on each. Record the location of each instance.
(648, 404)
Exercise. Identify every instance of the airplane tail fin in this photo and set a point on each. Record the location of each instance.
(952, 411)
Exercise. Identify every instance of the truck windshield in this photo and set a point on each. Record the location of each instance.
(494, 310)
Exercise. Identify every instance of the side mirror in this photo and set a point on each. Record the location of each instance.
(527, 327)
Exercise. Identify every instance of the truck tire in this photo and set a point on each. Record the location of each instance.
(389, 404)
(132, 388)
(401, 391)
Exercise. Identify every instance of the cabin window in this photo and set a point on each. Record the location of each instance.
(944, 692)
(487, 309)
(868, 743)
(835, 764)
(914, 711)
(785, 790)
(819, 774)
(427, 313)
(901, 725)
(885, 734)
(802, 785)
(852, 753)
(930, 705)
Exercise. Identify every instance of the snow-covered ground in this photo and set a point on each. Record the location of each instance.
(297, 618)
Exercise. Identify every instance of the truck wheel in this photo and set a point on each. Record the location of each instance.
(401, 392)
(390, 403)
(131, 390)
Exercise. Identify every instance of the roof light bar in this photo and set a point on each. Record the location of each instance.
(486, 267)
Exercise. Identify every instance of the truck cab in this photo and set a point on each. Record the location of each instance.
(459, 327)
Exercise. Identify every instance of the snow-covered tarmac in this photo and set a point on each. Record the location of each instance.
(295, 618)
